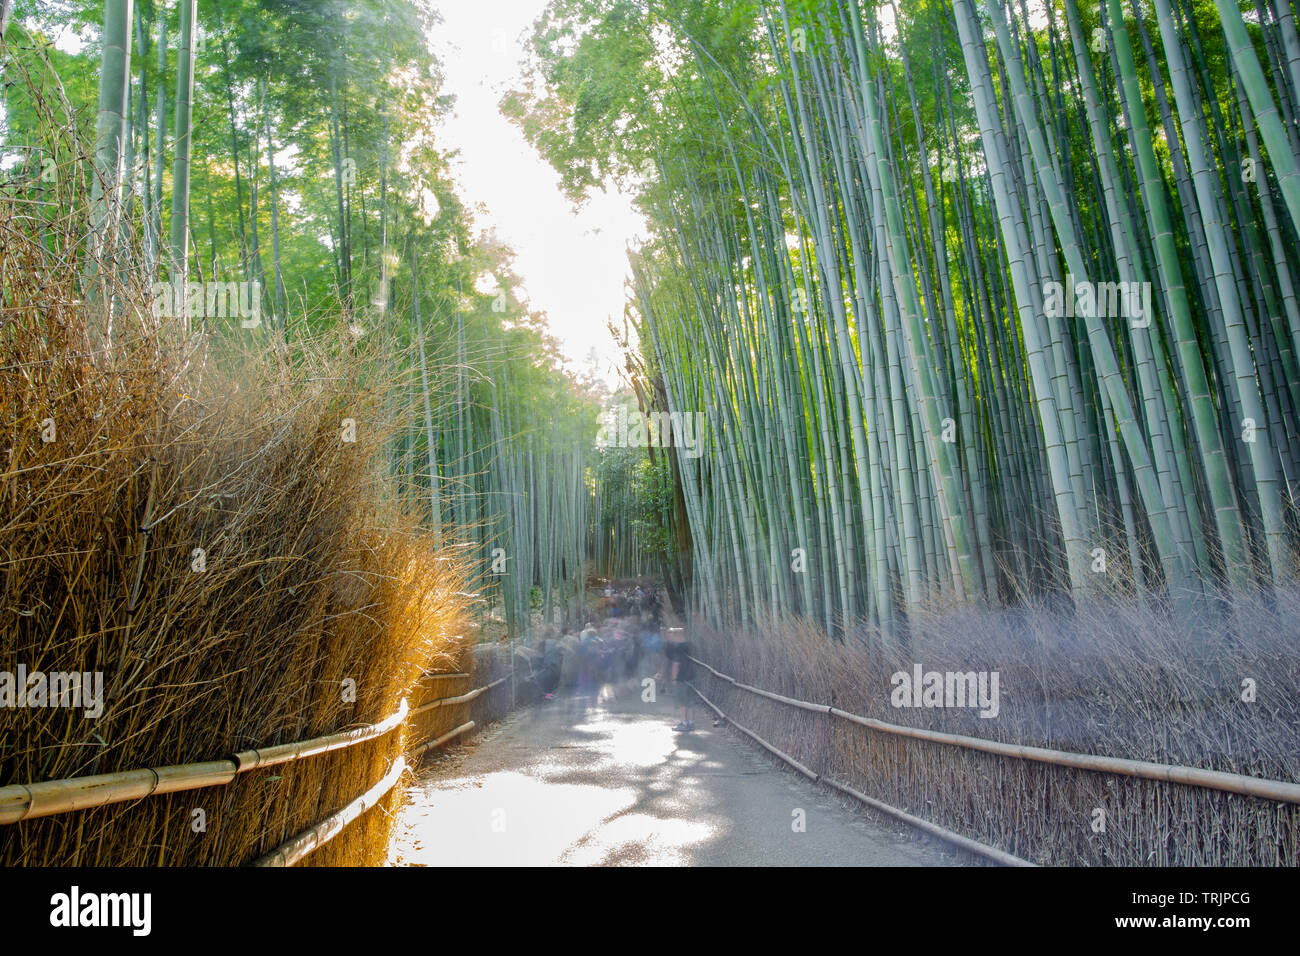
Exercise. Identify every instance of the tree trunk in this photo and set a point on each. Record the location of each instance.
(180, 224)
(106, 183)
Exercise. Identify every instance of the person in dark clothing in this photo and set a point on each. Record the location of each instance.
(656, 611)
(547, 674)
(589, 653)
(607, 656)
(681, 669)
(652, 646)
(632, 654)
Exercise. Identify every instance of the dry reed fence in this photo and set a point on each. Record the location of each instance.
(183, 515)
(1112, 680)
(449, 705)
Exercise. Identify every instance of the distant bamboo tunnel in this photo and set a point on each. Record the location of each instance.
(1280, 790)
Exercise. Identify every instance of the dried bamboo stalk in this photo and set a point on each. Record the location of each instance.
(298, 847)
(27, 801)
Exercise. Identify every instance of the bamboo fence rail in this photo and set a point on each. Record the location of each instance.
(297, 847)
(1190, 776)
(32, 800)
(270, 756)
(26, 801)
(810, 774)
(965, 843)
(462, 699)
(439, 741)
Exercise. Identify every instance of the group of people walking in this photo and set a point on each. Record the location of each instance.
(632, 602)
(630, 631)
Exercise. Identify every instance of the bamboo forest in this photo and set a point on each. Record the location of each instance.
(418, 414)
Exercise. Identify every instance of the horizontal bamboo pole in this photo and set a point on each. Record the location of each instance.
(462, 699)
(966, 843)
(26, 801)
(443, 739)
(755, 737)
(801, 704)
(1170, 773)
(283, 753)
(297, 847)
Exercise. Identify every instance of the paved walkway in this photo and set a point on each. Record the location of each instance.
(583, 783)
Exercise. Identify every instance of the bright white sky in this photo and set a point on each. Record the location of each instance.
(573, 264)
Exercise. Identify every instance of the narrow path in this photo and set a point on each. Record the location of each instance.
(570, 782)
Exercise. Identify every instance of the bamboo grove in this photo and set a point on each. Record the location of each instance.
(292, 147)
(979, 299)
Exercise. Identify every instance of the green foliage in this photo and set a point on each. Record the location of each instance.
(358, 218)
(856, 210)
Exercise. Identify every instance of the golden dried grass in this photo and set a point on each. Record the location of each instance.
(314, 573)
